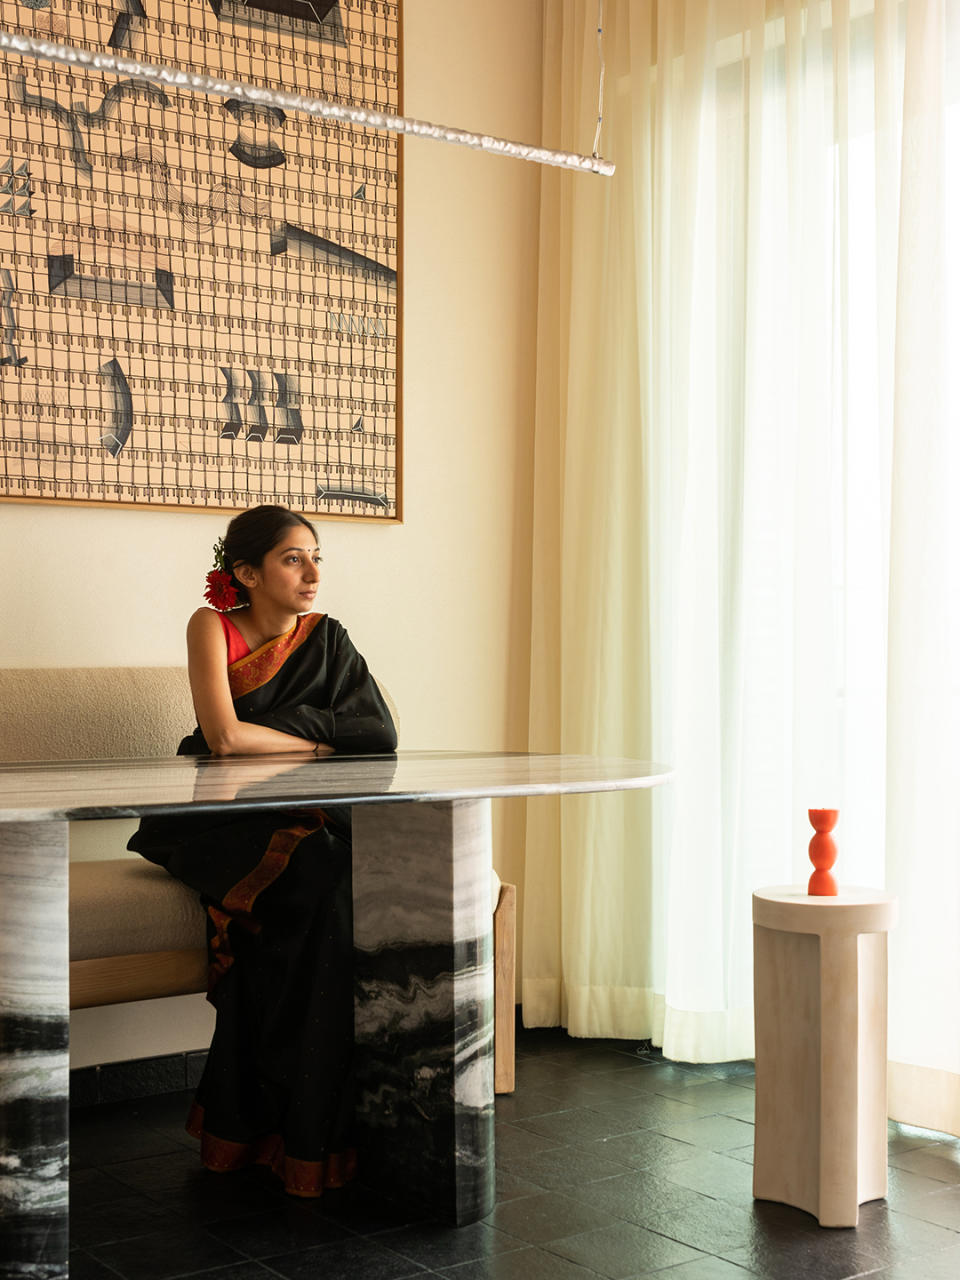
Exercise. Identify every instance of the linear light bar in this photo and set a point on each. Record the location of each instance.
(70, 56)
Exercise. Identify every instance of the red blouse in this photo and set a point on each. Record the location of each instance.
(237, 647)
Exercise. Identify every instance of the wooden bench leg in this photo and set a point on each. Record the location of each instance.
(504, 989)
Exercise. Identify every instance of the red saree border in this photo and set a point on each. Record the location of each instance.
(307, 1178)
(257, 668)
(238, 901)
(219, 951)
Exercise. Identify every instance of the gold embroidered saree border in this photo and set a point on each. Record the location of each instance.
(255, 669)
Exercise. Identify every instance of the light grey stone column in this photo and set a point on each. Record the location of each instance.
(34, 1053)
(424, 1001)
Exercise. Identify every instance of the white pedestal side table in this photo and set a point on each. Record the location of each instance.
(820, 1003)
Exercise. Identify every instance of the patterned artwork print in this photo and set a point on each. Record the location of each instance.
(198, 296)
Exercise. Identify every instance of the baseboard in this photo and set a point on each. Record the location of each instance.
(137, 1078)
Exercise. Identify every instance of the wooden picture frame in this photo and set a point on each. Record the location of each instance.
(199, 298)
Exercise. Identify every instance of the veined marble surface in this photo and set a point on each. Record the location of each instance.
(129, 788)
(34, 1064)
(423, 1003)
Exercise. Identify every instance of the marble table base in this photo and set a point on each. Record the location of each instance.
(34, 1061)
(424, 1019)
(424, 1002)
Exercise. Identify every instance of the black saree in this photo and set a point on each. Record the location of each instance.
(276, 1089)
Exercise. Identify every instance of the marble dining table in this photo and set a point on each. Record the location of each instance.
(422, 939)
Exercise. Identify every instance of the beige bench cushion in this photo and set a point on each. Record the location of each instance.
(98, 713)
(127, 907)
(93, 713)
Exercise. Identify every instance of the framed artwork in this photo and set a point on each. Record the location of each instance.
(199, 301)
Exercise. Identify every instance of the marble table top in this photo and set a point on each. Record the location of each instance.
(37, 792)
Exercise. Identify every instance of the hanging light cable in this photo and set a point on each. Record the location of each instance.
(69, 56)
(596, 137)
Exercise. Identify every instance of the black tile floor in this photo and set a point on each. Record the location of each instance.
(610, 1162)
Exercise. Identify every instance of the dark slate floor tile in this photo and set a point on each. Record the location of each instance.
(542, 1073)
(100, 1139)
(512, 1186)
(511, 1107)
(354, 1259)
(623, 1251)
(742, 1108)
(736, 1072)
(287, 1229)
(782, 1222)
(83, 1267)
(547, 1217)
(814, 1255)
(940, 1161)
(435, 1246)
(367, 1211)
(644, 1149)
(121, 1219)
(576, 1125)
(712, 1133)
(637, 1196)
(164, 1109)
(534, 1041)
(582, 1090)
(167, 1253)
(709, 1225)
(698, 1068)
(90, 1187)
(179, 1182)
(600, 1058)
(240, 1271)
(709, 1096)
(904, 1187)
(522, 1264)
(665, 1078)
(705, 1269)
(166, 1115)
(892, 1235)
(941, 1207)
(742, 1153)
(514, 1143)
(933, 1266)
(903, 1137)
(644, 1110)
(157, 1175)
(564, 1168)
(714, 1175)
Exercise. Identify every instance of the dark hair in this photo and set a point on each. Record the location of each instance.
(252, 534)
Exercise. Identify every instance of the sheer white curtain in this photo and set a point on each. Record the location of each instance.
(745, 541)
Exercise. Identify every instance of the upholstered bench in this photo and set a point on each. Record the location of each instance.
(135, 932)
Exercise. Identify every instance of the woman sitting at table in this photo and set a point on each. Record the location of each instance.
(271, 677)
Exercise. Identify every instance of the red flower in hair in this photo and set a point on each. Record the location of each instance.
(220, 591)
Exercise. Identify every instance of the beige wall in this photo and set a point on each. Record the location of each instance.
(440, 604)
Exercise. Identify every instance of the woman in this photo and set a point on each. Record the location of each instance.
(272, 677)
